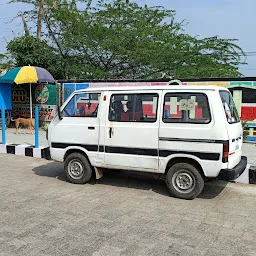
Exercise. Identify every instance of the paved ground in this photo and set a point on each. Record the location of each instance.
(249, 150)
(121, 214)
(28, 138)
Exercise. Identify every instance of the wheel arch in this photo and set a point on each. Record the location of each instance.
(187, 160)
(76, 150)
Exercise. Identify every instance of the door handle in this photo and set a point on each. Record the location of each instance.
(91, 128)
(111, 132)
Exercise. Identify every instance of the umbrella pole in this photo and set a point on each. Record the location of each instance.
(3, 124)
(30, 101)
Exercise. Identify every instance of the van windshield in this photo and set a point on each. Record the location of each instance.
(229, 107)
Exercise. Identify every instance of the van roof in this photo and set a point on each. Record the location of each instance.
(162, 87)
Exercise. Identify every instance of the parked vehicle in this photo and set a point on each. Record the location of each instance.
(185, 133)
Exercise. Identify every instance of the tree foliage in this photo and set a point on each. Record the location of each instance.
(119, 39)
(29, 50)
(5, 63)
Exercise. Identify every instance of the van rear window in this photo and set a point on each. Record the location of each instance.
(229, 107)
(186, 108)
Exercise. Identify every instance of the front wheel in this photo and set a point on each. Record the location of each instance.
(184, 181)
(77, 168)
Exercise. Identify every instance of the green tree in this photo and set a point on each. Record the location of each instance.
(119, 39)
(5, 63)
(29, 50)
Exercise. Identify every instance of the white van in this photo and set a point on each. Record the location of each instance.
(185, 133)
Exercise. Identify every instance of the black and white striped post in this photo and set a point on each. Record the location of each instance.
(20, 149)
(3, 123)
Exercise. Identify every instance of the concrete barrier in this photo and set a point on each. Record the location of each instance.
(252, 174)
(25, 150)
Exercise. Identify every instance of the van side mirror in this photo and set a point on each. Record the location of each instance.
(59, 113)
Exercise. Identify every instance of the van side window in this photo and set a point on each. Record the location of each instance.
(133, 107)
(229, 107)
(186, 108)
(82, 105)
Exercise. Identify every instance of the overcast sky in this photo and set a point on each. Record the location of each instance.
(225, 18)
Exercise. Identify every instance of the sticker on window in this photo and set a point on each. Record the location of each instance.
(173, 105)
(191, 104)
(186, 105)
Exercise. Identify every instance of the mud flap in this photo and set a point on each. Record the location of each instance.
(98, 173)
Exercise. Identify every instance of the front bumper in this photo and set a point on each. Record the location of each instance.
(45, 153)
(232, 174)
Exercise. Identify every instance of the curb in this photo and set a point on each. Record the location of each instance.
(25, 150)
(252, 174)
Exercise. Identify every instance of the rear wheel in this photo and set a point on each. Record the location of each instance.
(77, 168)
(184, 181)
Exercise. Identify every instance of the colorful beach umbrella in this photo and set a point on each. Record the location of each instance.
(27, 75)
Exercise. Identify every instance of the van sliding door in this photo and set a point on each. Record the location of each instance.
(131, 134)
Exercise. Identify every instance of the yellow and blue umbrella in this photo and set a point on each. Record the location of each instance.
(27, 75)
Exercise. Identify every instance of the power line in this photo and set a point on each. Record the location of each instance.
(6, 18)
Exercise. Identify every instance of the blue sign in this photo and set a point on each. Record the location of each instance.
(6, 95)
(69, 88)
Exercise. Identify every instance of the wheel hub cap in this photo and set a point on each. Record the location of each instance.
(75, 169)
(183, 181)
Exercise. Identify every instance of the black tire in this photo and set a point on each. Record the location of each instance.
(84, 170)
(184, 181)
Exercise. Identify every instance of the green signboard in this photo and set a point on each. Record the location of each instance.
(43, 95)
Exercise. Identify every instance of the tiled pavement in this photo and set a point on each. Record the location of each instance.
(249, 150)
(22, 138)
(121, 214)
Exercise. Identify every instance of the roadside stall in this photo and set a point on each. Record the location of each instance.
(31, 87)
(6, 101)
(25, 83)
